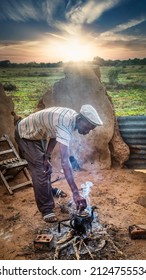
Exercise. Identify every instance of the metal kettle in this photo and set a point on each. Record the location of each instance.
(81, 222)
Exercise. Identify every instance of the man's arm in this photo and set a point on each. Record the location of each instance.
(68, 172)
(50, 148)
(47, 156)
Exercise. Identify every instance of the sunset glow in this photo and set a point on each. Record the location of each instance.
(75, 50)
(52, 31)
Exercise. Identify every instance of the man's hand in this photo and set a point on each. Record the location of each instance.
(79, 201)
(47, 166)
(47, 156)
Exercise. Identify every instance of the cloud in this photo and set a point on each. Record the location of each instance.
(123, 44)
(8, 43)
(20, 51)
(124, 49)
(25, 10)
(49, 9)
(116, 37)
(56, 36)
(19, 11)
(90, 11)
(123, 39)
(128, 25)
(17, 44)
(77, 15)
(57, 13)
(123, 27)
(58, 21)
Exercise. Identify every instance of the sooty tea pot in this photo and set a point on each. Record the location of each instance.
(81, 222)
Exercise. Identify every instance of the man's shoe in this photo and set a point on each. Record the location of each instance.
(58, 193)
(50, 218)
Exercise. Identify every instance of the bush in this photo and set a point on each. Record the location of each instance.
(113, 75)
(9, 87)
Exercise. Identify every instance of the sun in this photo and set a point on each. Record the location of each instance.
(76, 50)
(68, 48)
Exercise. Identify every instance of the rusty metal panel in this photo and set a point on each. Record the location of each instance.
(133, 132)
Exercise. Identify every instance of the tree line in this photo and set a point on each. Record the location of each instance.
(97, 61)
(8, 63)
(135, 61)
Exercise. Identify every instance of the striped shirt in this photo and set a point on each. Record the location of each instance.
(55, 122)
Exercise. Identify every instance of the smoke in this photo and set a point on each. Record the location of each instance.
(86, 188)
(84, 148)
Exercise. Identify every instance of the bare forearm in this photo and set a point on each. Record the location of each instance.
(51, 146)
(69, 176)
(67, 168)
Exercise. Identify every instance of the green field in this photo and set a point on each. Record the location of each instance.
(128, 92)
(31, 84)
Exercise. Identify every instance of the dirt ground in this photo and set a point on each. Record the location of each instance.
(120, 197)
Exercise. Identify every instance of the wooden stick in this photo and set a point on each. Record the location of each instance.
(107, 238)
(63, 246)
(88, 250)
(78, 249)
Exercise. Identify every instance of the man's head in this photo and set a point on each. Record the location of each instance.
(87, 119)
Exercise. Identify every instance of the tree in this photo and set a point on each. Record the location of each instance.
(113, 75)
(5, 63)
(98, 60)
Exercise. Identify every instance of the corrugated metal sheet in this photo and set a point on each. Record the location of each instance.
(133, 132)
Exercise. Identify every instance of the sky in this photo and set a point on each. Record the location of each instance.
(71, 30)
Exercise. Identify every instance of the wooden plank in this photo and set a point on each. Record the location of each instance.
(12, 146)
(2, 139)
(6, 152)
(9, 160)
(15, 164)
(21, 185)
(6, 184)
(27, 174)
